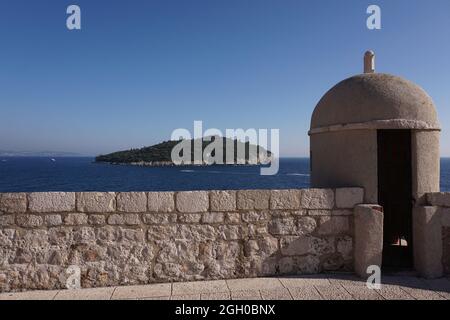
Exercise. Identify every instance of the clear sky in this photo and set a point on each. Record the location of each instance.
(140, 69)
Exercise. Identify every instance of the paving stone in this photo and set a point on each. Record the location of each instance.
(363, 293)
(183, 288)
(276, 294)
(246, 295)
(347, 280)
(304, 281)
(334, 292)
(391, 292)
(86, 294)
(186, 297)
(305, 293)
(254, 284)
(422, 294)
(314, 287)
(30, 295)
(406, 281)
(216, 296)
(148, 291)
(440, 286)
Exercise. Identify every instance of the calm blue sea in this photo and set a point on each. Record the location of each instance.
(82, 174)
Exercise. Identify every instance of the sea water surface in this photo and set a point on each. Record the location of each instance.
(26, 174)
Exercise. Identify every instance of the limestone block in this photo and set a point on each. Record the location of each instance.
(96, 202)
(253, 199)
(317, 199)
(76, 219)
(133, 202)
(283, 226)
(255, 230)
(263, 247)
(6, 220)
(196, 232)
(233, 217)
(342, 212)
(348, 198)
(301, 245)
(345, 247)
(427, 237)
(161, 201)
(115, 219)
(160, 218)
(333, 225)
(319, 212)
(439, 199)
(124, 219)
(164, 232)
(97, 219)
(289, 226)
(192, 201)
(131, 236)
(306, 225)
(189, 217)
(299, 265)
(132, 220)
(213, 217)
(223, 200)
(52, 201)
(255, 216)
(29, 221)
(368, 238)
(53, 220)
(231, 232)
(13, 202)
(285, 199)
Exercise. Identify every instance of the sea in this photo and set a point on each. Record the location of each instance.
(41, 174)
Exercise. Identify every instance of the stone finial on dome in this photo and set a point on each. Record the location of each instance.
(369, 62)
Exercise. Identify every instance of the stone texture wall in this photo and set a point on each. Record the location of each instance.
(446, 249)
(441, 200)
(145, 237)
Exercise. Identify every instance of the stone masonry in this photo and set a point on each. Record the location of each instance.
(441, 201)
(140, 238)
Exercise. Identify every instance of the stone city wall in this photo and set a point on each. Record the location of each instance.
(441, 200)
(146, 237)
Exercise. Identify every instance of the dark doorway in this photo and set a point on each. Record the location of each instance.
(395, 195)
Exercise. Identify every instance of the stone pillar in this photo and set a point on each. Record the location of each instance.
(368, 237)
(369, 62)
(427, 241)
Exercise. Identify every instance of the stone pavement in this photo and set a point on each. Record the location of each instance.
(317, 287)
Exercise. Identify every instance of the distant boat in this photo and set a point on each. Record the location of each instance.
(53, 160)
(3, 160)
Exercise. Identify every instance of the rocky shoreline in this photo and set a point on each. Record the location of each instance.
(172, 164)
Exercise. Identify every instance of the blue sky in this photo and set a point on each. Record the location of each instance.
(140, 69)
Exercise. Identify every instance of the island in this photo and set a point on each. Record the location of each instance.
(160, 154)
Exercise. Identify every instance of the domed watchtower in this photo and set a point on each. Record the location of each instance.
(379, 132)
